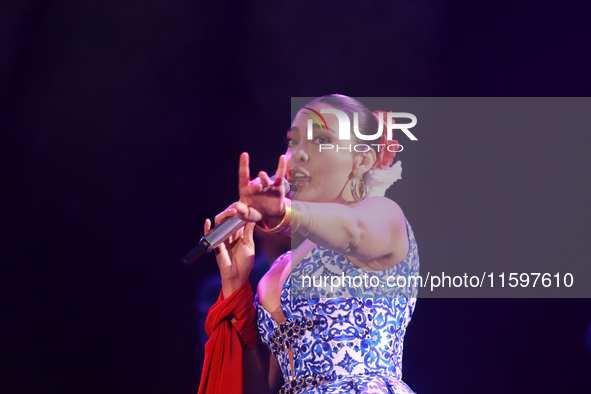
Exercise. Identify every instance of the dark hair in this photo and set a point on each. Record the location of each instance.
(367, 121)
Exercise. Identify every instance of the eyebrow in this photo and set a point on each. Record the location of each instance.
(314, 126)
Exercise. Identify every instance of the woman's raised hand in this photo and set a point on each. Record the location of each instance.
(260, 198)
(235, 256)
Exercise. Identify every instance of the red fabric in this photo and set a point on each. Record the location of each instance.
(385, 156)
(222, 369)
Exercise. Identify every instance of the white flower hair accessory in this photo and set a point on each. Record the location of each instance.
(379, 180)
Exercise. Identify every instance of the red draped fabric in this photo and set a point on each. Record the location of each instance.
(222, 368)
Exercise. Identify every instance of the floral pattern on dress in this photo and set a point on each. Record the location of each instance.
(358, 340)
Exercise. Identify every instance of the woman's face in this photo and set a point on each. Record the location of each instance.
(320, 176)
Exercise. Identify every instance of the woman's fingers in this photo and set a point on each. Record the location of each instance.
(242, 210)
(206, 227)
(248, 233)
(265, 180)
(230, 211)
(221, 248)
(256, 185)
(243, 170)
(281, 170)
(247, 213)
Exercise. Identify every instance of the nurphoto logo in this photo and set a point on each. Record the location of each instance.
(345, 129)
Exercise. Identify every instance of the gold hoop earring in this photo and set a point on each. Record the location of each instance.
(354, 189)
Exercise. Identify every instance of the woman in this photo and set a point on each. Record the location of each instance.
(309, 340)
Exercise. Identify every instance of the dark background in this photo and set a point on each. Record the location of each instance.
(121, 125)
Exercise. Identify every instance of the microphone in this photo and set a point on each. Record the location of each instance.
(221, 232)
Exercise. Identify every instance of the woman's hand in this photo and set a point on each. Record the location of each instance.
(260, 198)
(235, 256)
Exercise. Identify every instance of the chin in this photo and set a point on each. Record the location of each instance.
(300, 196)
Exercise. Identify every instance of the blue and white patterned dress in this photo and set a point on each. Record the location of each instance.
(341, 345)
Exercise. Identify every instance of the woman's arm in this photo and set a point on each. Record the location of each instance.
(373, 228)
(235, 258)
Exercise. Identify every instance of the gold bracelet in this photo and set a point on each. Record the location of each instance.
(310, 220)
(297, 217)
(284, 226)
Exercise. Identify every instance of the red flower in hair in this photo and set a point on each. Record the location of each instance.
(387, 148)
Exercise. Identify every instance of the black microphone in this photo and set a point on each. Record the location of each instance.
(221, 232)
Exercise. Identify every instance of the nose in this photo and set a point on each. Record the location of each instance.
(301, 155)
